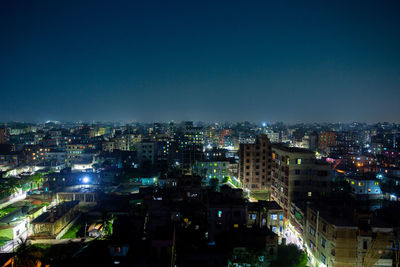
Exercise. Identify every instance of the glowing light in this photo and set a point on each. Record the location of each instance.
(85, 179)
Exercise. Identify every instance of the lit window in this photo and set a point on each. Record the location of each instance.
(309, 194)
(274, 217)
(298, 161)
(376, 183)
(219, 213)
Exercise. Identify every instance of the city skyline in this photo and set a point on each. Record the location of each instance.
(295, 61)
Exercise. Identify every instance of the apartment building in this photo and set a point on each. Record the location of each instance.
(338, 236)
(297, 176)
(255, 164)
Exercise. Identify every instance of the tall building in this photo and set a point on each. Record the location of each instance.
(145, 152)
(191, 145)
(313, 141)
(326, 139)
(255, 164)
(4, 135)
(297, 176)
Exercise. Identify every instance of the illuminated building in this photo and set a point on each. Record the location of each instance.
(340, 236)
(255, 164)
(297, 175)
(326, 139)
(79, 154)
(213, 170)
(365, 187)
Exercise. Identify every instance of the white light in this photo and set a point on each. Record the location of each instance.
(85, 179)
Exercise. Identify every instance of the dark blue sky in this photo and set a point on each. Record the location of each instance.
(200, 60)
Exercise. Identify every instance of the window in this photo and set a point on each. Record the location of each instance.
(365, 244)
(220, 214)
(274, 217)
(297, 172)
(312, 231)
(281, 217)
(323, 242)
(323, 259)
(298, 161)
(253, 216)
(309, 194)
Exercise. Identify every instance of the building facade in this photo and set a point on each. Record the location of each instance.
(297, 176)
(255, 164)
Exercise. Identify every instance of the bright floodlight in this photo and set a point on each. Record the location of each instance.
(85, 179)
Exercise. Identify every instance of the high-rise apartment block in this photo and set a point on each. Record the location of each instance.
(255, 164)
(297, 176)
(326, 139)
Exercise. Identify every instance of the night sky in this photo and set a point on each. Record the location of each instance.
(200, 60)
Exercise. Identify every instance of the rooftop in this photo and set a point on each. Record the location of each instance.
(292, 149)
(64, 208)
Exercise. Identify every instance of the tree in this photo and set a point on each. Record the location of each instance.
(108, 226)
(28, 255)
(290, 256)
